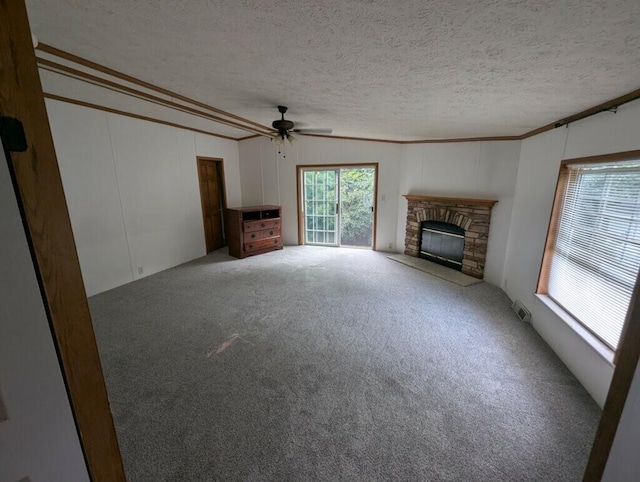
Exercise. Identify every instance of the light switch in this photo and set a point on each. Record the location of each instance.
(3, 410)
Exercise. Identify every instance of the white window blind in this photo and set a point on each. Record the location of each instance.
(596, 254)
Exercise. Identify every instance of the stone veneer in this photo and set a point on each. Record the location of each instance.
(472, 215)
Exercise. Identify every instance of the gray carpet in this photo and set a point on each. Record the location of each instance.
(333, 364)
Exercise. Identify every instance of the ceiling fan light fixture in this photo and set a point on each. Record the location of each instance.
(279, 140)
(292, 140)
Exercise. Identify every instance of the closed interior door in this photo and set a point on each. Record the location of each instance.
(338, 206)
(213, 202)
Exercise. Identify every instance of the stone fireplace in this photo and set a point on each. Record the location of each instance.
(471, 215)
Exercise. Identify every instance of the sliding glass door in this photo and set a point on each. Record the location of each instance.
(321, 207)
(357, 190)
(338, 206)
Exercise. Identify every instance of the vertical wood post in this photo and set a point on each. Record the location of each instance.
(45, 217)
(627, 361)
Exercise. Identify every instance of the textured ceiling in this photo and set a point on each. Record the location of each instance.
(389, 69)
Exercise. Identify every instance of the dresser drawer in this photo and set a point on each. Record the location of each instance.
(262, 244)
(256, 235)
(249, 226)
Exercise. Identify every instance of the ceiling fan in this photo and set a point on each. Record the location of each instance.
(285, 129)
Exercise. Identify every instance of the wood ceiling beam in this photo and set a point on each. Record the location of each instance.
(147, 85)
(99, 81)
(135, 116)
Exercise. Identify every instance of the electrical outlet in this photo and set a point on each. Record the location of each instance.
(140, 270)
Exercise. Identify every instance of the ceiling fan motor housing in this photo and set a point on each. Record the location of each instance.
(282, 124)
(284, 127)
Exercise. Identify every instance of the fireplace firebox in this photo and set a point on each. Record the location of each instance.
(442, 243)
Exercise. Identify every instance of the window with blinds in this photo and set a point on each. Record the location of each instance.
(593, 251)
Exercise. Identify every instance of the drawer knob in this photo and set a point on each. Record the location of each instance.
(253, 235)
(271, 233)
(250, 245)
(262, 225)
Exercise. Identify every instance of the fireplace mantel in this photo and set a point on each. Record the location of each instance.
(452, 200)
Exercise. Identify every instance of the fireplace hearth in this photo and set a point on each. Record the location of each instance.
(467, 219)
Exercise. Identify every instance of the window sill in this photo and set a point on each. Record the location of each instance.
(603, 350)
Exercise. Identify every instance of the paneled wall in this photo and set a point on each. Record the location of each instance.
(132, 191)
(476, 170)
(535, 187)
(484, 170)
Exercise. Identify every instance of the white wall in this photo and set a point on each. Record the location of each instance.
(624, 463)
(39, 439)
(132, 191)
(269, 178)
(484, 170)
(535, 187)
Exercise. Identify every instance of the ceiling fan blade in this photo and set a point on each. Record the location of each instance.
(313, 131)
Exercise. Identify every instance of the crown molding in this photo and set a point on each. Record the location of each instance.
(605, 106)
(132, 115)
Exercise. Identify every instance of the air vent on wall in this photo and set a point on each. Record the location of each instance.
(523, 313)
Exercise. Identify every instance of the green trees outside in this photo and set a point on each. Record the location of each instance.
(320, 206)
(356, 195)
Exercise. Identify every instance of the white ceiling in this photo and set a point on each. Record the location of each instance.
(382, 69)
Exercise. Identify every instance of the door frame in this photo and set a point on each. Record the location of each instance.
(220, 162)
(300, 190)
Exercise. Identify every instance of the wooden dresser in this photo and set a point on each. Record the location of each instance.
(253, 230)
